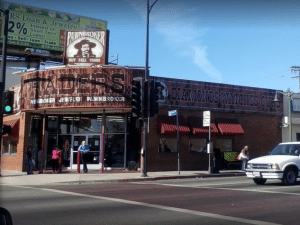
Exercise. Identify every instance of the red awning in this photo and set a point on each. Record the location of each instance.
(171, 128)
(167, 125)
(14, 124)
(230, 128)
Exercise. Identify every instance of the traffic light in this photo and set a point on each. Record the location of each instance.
(8, 102)
(154, 97)
(145, 101)
(6, 129)
(136, 97)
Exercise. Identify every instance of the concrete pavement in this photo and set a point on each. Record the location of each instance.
(47, 178)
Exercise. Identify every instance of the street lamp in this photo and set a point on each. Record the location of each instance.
(145, 119)
(289, 95)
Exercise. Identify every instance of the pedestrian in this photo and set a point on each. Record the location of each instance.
(244, 156)
(55, 159)
(59, 154)
(29, 162)
(84, 149)
(41, 159)
(217, 159)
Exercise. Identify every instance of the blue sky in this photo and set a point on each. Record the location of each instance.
(241, 42)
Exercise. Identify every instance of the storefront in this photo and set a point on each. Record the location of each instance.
(66, 106)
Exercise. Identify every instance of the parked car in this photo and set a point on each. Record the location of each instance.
(283, 162)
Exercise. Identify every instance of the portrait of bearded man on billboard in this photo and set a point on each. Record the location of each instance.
(85, 49)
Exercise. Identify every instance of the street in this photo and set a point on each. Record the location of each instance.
(224, 200)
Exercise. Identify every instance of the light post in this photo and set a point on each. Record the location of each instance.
(145, 118)
(289, 95)
(3, 71)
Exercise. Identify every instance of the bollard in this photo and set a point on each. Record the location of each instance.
(78, 161)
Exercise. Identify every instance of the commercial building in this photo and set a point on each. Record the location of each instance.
(66, 105)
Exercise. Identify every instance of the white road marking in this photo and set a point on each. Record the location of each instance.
(211, 186)
(180, 210)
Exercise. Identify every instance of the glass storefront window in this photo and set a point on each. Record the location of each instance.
(198, 145)
(5, 146)
(87, 124)
(167, 145)
(52, 124)
(114, 150)
(66, 125)
(115, 124)
(13, 147)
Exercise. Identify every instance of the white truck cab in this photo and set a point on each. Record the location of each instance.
(283, 162)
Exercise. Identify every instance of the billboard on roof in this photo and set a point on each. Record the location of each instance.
(86, 47)
(41, 28)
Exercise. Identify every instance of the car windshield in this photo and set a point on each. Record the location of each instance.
(288, 149)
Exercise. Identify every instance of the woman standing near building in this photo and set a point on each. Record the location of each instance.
(55, 157)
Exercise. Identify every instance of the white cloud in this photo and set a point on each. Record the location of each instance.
(175, 22)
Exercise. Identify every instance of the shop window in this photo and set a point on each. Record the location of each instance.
(5, 146)
(13, 147)
(167, 145)
(9, 146)
(36, 124)
(115, 124)
(87, 124)
(52, 124)
(225, 145)
(66, 125)
(197, 145)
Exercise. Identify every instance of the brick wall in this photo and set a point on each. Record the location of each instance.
(15, 162)
(262, 134)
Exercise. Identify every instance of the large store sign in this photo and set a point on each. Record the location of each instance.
(216, 96)
(86, 47)
(41, 28)
(77, 87)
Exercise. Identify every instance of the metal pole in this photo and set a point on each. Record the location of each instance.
(209, 136)
(145, 122)
(177, 134)
(145, 119)
(3, 71)
(290, 119)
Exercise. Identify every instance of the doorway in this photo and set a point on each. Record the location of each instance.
(94, 143)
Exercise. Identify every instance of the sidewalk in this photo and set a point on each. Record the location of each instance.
(21, 178)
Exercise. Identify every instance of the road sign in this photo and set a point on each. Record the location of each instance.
(172, 113)
(206, 118)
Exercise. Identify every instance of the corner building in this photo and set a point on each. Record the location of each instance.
(64, 106)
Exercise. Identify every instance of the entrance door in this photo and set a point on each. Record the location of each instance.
(93, 159)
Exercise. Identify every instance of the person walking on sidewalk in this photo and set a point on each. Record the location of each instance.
(55, 155)
(244, 156)
(41, 159)
(84, 149)
(29, 163)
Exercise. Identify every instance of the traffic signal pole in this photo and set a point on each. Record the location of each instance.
(3, 72)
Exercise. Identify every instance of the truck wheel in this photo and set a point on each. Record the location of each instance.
(259, 181)
(289, 176)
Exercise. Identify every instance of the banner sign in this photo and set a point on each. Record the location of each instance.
(41, 28)
(216, 96)
(77, 87)
(86, 47)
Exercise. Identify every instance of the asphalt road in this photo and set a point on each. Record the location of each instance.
(229, 200)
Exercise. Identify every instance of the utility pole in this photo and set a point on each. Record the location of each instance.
(3, 71)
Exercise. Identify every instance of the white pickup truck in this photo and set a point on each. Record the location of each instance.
(283, 162)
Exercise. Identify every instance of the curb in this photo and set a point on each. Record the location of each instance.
(155, 178)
